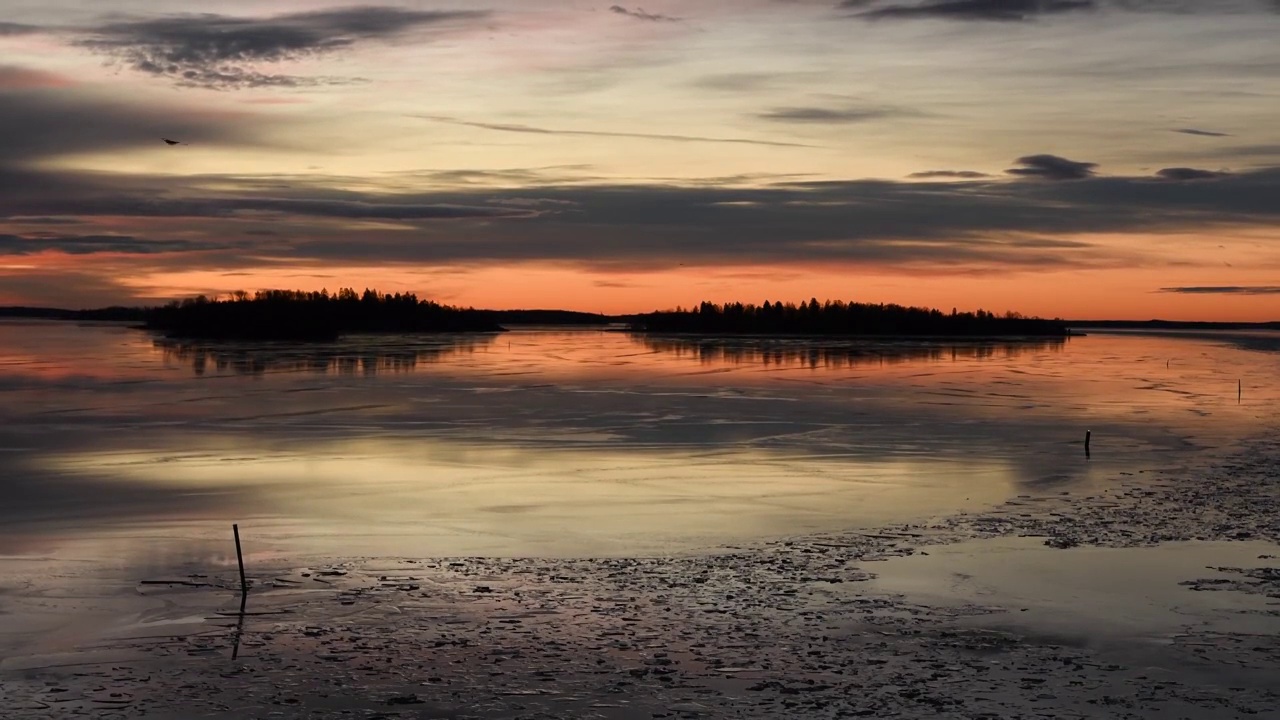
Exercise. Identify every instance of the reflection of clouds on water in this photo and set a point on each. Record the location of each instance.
(840, 353)
(104, 425)
(357, 356)
(43, 502)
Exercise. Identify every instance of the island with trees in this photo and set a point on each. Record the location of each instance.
(323, 316)
(841, 318)
(300, 315)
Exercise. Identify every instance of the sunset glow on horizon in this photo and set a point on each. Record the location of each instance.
(1087, 160)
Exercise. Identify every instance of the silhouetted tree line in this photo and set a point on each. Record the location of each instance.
(835, 317)
(546, 317)
(301, 315)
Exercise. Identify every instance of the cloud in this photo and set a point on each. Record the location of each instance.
(92, 244)
(39, 220)
(224, 53)
(829, 115)
(8, 29)
(640, 14)
(957, 174)
(38, 125)
(1225, 290)
(532, 130)
(104, 203)
(355, 209)
(64, 288)
(987, 10)
(1052, 167)
(1185, 173)
(1202, 133)
(983, 223)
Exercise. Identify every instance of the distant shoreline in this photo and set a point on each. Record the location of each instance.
(1170, 325)
(623, 323)
(848, 336)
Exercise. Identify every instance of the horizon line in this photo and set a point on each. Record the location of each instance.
(1081, 322)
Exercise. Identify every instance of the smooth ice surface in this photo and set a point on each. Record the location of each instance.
(1097, 595)
(546, 442)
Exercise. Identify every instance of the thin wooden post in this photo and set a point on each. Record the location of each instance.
(1239, 391)
(1087, 435)
(244, 585)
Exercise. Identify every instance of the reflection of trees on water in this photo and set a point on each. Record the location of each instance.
(828, 353)
(358, 356)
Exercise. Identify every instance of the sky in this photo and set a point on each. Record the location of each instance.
(1064, 158)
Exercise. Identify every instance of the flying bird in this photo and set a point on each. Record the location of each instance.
(172, 142)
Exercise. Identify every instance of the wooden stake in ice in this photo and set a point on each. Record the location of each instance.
(1087, 435)
(244, 593)
(244, 586)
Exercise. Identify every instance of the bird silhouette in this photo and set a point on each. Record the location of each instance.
(172, 142)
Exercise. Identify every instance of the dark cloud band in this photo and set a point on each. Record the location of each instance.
(1201, 133)
(1052, 167)
(223, 52)
(988, 10)
(989, 222)
(1224, 290)
(640, 14)
(11, 28)
(92, 244)
(1186, 174)
(952, 174)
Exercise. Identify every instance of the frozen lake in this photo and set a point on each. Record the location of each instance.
(553, 442)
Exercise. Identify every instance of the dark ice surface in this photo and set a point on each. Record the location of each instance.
(551, 523)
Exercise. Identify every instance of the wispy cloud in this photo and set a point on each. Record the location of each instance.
(8, 29)
(640, 14)
(954, 174)
(533, 130)
(224, 53)
(1202, 133)
(1224, 290)
(832, 115)
(1052, 167)
(987, 10)
(232, 206)
(91, 244)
